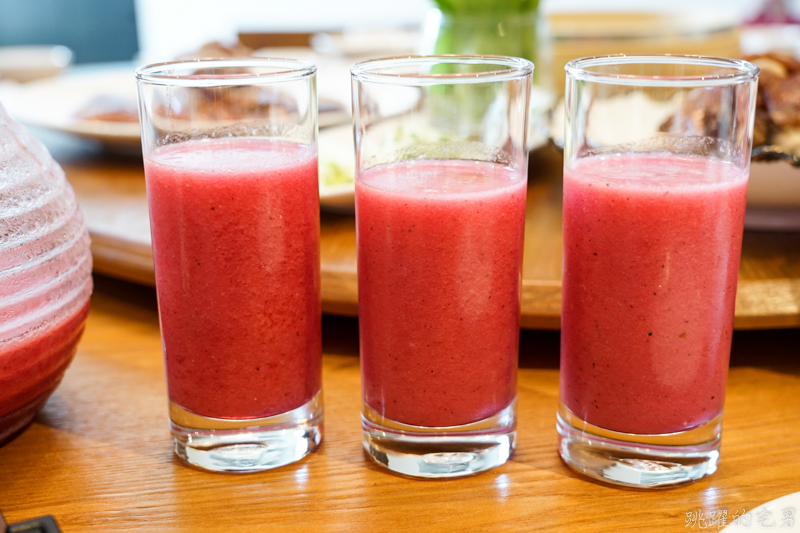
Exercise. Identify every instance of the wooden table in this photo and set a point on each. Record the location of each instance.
(98, 456)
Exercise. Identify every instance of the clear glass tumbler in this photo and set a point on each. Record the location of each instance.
(656, 163)
(230, 158)
(440, 212)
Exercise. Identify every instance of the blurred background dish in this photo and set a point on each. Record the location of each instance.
(31, 62)
(337, 169)
(773, 194)
(333, 80)
(98, 103)
(93, 102)
(360, 43)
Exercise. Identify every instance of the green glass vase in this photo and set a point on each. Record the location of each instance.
(490, 30)
(513, 34)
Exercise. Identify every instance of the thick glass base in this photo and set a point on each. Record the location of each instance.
(440, 452)
(638, 461)
(246, 445)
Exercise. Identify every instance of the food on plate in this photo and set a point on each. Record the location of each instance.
(109, 108)
(778, 105)
(776, 131)
(218, 50)
(216, 104)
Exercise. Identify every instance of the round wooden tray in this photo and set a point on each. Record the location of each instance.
(111, 193)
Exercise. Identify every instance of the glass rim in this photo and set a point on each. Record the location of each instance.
(744, 71)
(517, 68)
(287, 70)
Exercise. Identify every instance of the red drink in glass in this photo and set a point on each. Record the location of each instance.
(238, 222)
(441, 170)
(230, 158)
(651, 253)
(439, 259)
(654, 200)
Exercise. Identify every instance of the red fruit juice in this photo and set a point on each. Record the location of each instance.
(652, 244)
(439, 263)
(33, 365)
(235, 226)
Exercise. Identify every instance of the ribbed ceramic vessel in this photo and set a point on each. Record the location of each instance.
(45, 276)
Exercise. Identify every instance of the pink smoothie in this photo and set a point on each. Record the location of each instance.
(235, 227)
(439, 260)
(33, 365)
(651, 254)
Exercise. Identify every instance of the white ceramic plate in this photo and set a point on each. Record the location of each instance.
(782, 514)
(337, 167)
(53, 103)
(773, 196)
(31, 62)
(360, 43)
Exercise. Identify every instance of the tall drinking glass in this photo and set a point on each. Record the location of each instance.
(656, 162)
(230, 157)
(440, 212)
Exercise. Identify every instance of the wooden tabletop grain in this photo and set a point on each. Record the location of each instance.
(98, 456)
